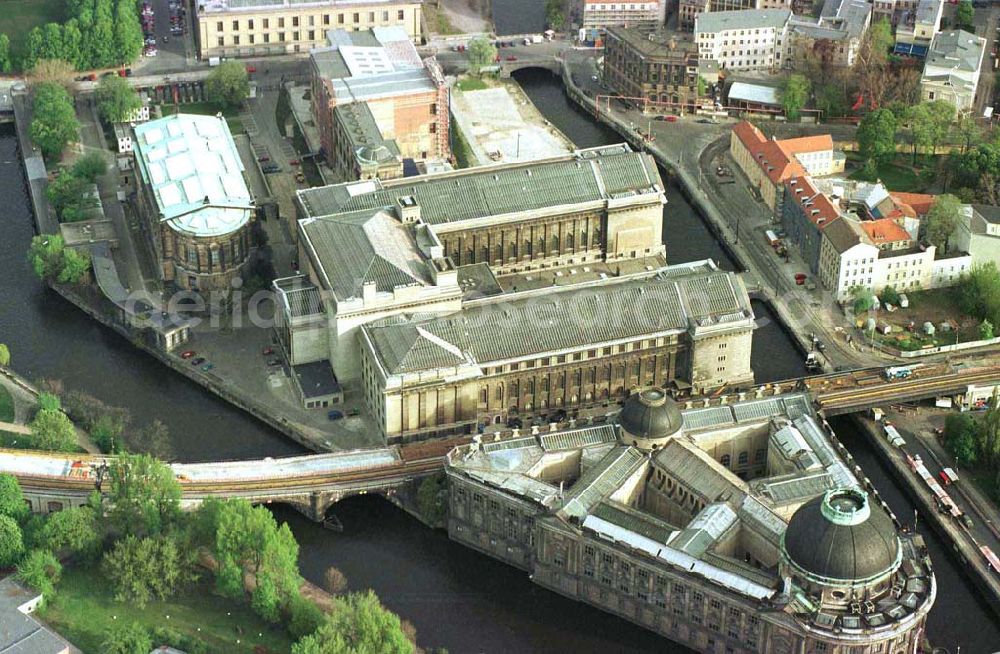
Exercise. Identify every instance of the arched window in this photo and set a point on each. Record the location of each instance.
(744, 458)
(725, 460)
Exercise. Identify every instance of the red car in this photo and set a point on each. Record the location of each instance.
(511, 58)
(267, 350)
(187, 354)
(251, 69)
(294, 162)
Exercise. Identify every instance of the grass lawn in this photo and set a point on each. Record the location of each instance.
(464, 157)
(6, 405)
(471, 84)
(84, 608)
(232, 115)
(898, 175)
(18, 17)
(933, 306)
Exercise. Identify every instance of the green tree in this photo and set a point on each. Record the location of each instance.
(12, 502)
(72, 43)
(127, 31)
(228, 85)
(71, 197)
(876, 137)
(431, 495)
(4, 355)
(481, 52)
(969, 131)
(304, 617)
(116, 99)
(76, 264)
(248, 541)
(76, 531)
(52, 42)
(54, 125)
(989, 433)
(986, 330)
(863, 299)
(941, 220)
(929, 123)
(11, 542)
(91, 165)
(53, 431)
(871, 63)
(831, 100)
(143, 569)
(40, 570)
(965, 16)
(794, 93)
(6, 63)
(49, 402)
(144, 494)
(890, 295)
(979, 292)
(130, 638)
(358, 624)
(153, 439)
(555, 14)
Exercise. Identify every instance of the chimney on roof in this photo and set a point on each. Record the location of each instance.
(407, 209)
(206, 200)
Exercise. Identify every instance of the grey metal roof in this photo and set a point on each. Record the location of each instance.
(795, 487)
(572, 439)
(650, 414)
(582, 177)
(705, 529)
(20, 633)
(363, 132)
(639, 522)
(698, 472)
(361, 248)
(719, 21)
(791, 406)
(758, 93)
(957, 50)
(570, 318)
(600, 481)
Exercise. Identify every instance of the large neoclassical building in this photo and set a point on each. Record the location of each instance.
(196, 207)
(732, 529)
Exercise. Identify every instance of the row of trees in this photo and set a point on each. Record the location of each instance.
(72, 193)
(928, 124)
(976, 443)
(148, 550)
(98, 34)
(54, 124)
(978, 293)
(53, 261)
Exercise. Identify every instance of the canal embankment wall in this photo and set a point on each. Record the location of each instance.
(46, 223)
(973, 563)
(687, 182)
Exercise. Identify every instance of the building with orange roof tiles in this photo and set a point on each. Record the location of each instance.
(769, 163)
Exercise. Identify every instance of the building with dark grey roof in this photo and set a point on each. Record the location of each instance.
(545, 353)
(20, 633)
(951, 72)
(734, 527)
(430, 244)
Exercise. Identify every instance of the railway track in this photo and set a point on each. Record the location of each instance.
(276, 486)
(902, 390)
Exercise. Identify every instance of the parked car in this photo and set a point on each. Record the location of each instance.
(197, 361)
(262, 158)
(335, 414)
(294, 162)
(271, 168)
(300, 178)
(274, 362)
(187, 354)
(511, 58)
(267, 350)
(207, 367)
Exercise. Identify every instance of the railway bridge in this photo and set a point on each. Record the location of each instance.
(310, 483)
(313, 483)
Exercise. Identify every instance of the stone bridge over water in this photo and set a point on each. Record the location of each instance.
(313, 483)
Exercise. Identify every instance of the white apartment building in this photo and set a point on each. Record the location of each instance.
(748, 40)
(846, 258)
(952, 70)
(649, 14)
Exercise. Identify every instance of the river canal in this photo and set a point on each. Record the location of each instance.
(455, 597)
